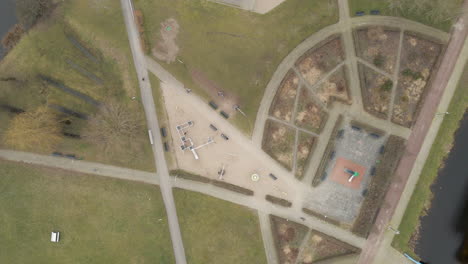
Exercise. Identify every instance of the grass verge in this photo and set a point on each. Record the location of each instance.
(215, 231)
(163, 120)
(101, 220)
(422, 195)
(236, 50)
(411, 14)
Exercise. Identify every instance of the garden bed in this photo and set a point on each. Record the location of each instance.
(305, 148)
(321, 247)
(376, 91)
(335, 88)
(418, 58)
(378, 46)
(283, 104)
(309, 114)
(321, 59)
(288, 237)
(278, 142)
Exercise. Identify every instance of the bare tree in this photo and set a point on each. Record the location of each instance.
(30, 11)
(34, 130)
(12, 37)
(113, 125)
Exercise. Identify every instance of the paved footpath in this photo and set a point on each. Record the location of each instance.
(153, 125)
(417, 137)
(386, 253)
(267, 237)
(80, 166)
(291, 58)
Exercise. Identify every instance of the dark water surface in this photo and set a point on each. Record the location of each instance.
(7, 19)
(442, 230)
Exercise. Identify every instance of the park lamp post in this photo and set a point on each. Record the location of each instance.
(397, 232)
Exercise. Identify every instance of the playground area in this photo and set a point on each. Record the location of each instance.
(347, 173)
(204, 147)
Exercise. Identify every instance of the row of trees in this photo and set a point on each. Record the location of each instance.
(42, 129)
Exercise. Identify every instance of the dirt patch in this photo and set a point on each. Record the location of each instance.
(305, 147)
(288, 238)
(335, 88)
(319, 60)
(378, 46)
(283, 103)
(278, 142)
(139, 20)
(321, 247)
(225, 100)
(166, 48)
(376, 91)
(418, 57)
(309, 114)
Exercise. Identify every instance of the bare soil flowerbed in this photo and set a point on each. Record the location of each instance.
(305, 148)
(282, 106)
(378, 46)
(288, 237)
(418, 57)
(335, 88)
(320, 247)
(376, 91)
(321, 59)
(310, 115)
(278, 142)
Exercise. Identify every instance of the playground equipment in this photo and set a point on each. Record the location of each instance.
(187, 142)
(221, 173)
(255, 177)
(353, 174)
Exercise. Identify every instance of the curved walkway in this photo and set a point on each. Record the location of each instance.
(289, 61)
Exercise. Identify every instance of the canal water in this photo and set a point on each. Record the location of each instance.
(446, 223)
(7, 19)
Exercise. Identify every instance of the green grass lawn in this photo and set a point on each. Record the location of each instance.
(45, 49)
(242, 64)
(101, 220)
(215, 231)
(420, 200)
(382, 6)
